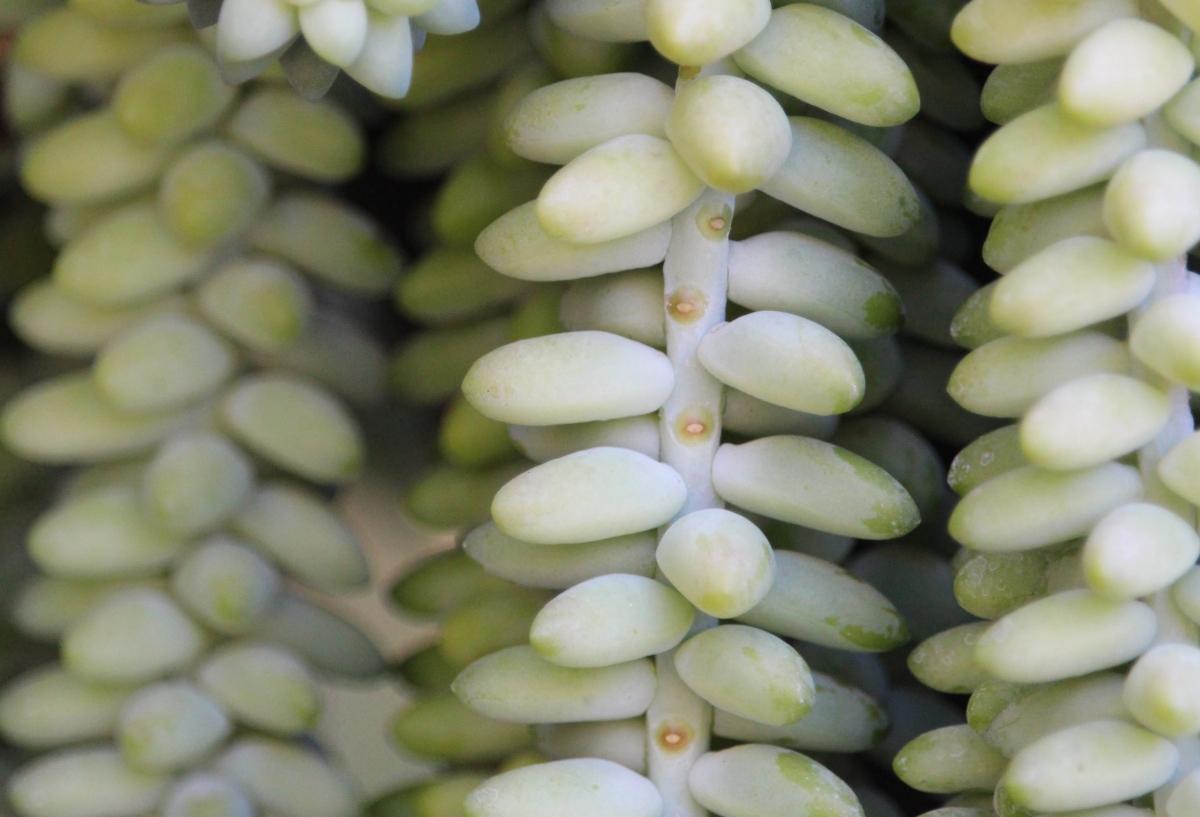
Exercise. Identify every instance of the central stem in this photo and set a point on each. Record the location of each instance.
(695, 282)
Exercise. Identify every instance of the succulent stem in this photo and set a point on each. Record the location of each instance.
(695, 279)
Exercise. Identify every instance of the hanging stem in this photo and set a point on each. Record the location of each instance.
(695, 278)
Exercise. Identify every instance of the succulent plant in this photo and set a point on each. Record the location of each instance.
(697, 298)
(188, 665)
(1077, 520)
(629, 439)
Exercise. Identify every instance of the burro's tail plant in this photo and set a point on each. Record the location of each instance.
(636, 447)
(469, 309)
(1078, 520)
(187, 681)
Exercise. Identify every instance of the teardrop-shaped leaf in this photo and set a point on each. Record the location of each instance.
(212, 194)
(949, 760)
(67, 419)
(102, 783)
(610, 620)
(792, 272)
(572, 377)
(314, 140)
(1099, 85)
(330, 239)
(519, 686)
(558, 122)
(170, 726)
(128, 257)
(1045, 153)
(1029, 507)
(1093, 764)
(133, 636)
(303, 535)
(604, 20)
(1064, 635)
(89, 159)
(517, 245)
(586, 787)
(1137, 550)
(747, 672)
(719, 560)
(103, 534)
(1005, 377)
(698, 33)
(842, 178)
(295, 425)
(1020, 231)
(786, 360)
(1041, 296)
(226, 585)
(1127, 413)
(441, 727)
(284, 777)
(49, 707)
(559, 566)
(1004, 31)
(732, 133)
(1150, 691)
(263, 687)
(645, 172)
(71, 45)
(754, 780)
(164, 362)
(813, 600)
(826, 59)
(812, 483)
(589, 495)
